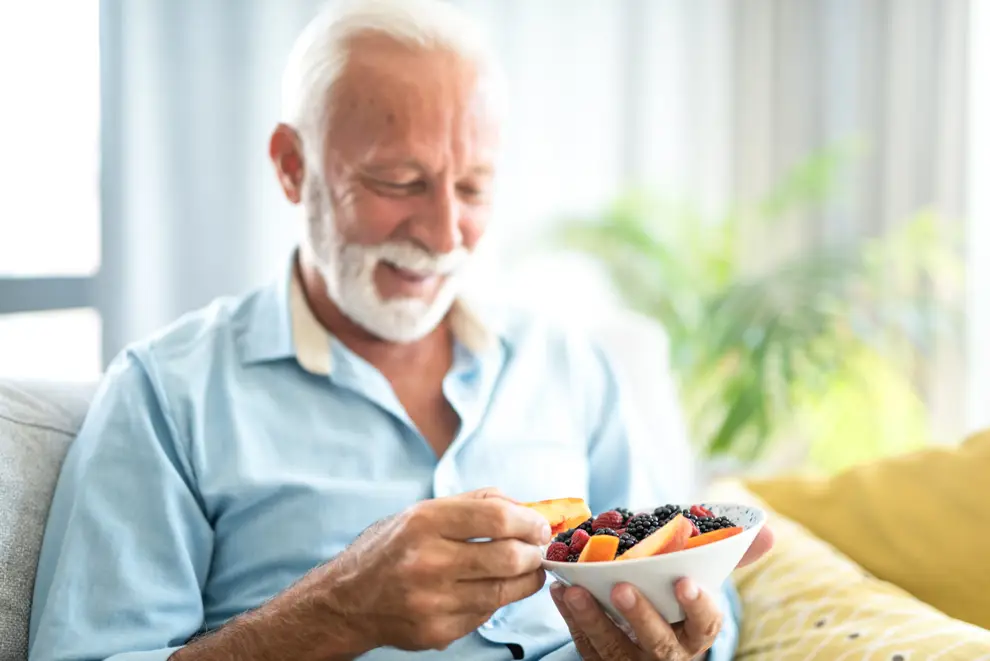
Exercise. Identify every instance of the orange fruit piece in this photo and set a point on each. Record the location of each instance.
(562, 513)
(667, 539)
(600, 548)
(713, 536)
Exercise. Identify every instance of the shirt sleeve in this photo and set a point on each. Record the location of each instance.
(632, 469)
(127, 546)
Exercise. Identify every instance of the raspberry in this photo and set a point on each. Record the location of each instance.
(695, 530)
(578, 540)
(700, 511)
(610, 519)
(621, 531)
(557, 552)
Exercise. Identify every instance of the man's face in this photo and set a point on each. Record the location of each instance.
(403, 194)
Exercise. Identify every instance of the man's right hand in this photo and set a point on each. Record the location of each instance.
(413, 581)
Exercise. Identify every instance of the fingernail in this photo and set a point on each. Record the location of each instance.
(691, 591)
(556, 590)
(576, 600)
(624, 597)
(545, 533)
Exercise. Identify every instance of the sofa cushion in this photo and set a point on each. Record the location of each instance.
(920, 521)
(37, 423)
(805, 600)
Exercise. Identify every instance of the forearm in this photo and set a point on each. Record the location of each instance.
(293, 625)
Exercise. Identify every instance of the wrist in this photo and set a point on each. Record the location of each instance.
(321, 604)
(348, 637)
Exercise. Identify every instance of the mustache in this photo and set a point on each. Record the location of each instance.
(412, 257)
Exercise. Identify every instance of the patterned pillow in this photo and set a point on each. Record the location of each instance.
(919, 520)
(806, 601)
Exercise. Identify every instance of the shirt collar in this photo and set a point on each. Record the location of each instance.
(297, 333)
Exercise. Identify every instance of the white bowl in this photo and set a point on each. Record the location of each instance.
(709, 566)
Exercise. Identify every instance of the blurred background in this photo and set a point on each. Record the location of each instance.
(793, 189)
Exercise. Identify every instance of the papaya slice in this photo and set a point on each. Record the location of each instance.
(713, 536)
(600, 548)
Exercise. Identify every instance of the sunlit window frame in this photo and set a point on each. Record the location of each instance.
(27, 294)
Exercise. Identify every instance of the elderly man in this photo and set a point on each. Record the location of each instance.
(306, 472)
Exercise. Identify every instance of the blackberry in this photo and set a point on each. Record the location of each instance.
(606, 531)
(641, 525)
(626, 542)
(717, 523)
(626, 514)
(666, 513)
(573, 557)
(565, 536)
(586, 526)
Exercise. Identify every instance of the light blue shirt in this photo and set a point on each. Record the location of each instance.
(243, 446)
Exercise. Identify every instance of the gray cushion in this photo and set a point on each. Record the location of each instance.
(37, 423)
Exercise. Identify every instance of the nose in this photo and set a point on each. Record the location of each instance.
(440, 227)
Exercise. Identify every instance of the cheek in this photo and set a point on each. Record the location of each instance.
(473, 224)
(367, 219)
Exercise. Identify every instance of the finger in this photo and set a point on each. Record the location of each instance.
(654, 634)
(487, 492)
(760, 546)
(502, 558)
(607, 639)
(581, 642)
(702, 616)
(483, 518)
(487, 596)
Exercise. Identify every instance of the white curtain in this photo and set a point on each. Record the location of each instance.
(708, 100)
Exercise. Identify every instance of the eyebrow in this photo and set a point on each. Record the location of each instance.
(484, 170)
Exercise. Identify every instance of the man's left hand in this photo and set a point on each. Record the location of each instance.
(597, 638)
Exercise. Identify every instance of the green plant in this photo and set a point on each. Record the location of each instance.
(809, 342)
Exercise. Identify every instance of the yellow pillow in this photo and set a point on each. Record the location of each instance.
(805, 601)
(920, 521)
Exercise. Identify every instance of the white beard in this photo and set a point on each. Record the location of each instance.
(349, 273)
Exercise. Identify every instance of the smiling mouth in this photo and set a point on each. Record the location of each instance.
(408, 275)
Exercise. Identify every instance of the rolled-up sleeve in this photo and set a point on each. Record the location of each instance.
(127, 546)
(633, 469)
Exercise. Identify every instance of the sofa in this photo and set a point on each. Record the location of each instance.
(860, 570)
(37, 423)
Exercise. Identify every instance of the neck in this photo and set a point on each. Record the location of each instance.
(384, 355)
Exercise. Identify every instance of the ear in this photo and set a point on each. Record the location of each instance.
(285, 150)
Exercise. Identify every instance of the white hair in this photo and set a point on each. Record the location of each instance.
(320, 53)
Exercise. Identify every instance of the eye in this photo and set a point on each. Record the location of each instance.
(399, 187)
(472, 191)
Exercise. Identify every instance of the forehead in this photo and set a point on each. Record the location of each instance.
(392, 100)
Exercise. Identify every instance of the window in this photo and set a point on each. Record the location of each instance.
(49, 190)
(978, 239)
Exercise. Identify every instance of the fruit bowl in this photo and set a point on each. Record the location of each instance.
(709, 565)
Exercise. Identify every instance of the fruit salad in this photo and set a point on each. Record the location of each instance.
(621, 535)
